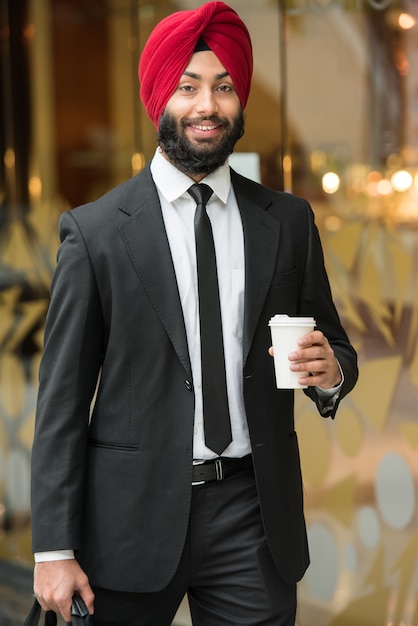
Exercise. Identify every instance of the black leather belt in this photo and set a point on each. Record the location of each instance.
(218, 469)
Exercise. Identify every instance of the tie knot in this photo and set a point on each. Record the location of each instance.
(200, 193)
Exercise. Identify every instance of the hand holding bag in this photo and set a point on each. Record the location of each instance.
(79, 614)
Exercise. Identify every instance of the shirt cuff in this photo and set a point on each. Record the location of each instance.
(53, 555)
(328, 397)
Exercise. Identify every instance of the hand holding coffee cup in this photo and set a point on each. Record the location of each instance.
(285, 333)
(312, 360)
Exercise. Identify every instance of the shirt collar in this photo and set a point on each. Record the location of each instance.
(172, 183)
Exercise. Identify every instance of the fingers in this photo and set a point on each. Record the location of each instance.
(55, 583)
(86, 593)
(313, 348)
(316, 337)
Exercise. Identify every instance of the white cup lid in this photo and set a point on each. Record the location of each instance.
(285, 320)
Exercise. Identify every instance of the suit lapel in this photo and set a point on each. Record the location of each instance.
(261, 241)
(146, 242)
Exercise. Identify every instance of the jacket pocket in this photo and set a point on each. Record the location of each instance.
(111, 445)
(284, 278)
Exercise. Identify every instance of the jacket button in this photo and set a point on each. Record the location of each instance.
(188, 384)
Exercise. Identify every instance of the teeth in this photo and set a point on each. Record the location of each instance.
(203, 127)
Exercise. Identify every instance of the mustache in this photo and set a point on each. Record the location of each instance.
(218, 121)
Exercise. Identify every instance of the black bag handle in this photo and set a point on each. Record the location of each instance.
(79, 613)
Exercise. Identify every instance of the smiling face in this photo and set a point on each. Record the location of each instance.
(203, 119)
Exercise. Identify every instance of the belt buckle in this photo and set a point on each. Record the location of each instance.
(198, 482)
(219, 469)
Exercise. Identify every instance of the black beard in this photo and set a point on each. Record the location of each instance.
(193, 158)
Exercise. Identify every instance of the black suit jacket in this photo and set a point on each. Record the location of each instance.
(114, 481)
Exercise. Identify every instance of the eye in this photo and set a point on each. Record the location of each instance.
(186, 88)
(225, 88)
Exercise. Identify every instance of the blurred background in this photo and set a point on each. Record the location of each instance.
(333, 116)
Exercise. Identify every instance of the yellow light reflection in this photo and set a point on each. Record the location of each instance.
(137, 162)
(332, 223)
(384, 187)
(401, 180)
(374, 177)
(9, 158)
(35, 186)
(287, 164)
(330, 182)
(406, 21)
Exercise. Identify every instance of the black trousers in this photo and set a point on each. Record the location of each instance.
(226, 569)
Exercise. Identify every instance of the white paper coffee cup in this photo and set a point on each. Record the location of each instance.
(285, 332)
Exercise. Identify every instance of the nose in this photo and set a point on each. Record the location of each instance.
(206, 103)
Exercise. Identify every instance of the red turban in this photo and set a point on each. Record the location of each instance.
(172, 43)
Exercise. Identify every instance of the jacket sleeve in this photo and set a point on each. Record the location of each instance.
(69, 372)
(317, 297)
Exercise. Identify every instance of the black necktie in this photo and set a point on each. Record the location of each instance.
(215, 401)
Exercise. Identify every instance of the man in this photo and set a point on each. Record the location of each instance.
(136, 494)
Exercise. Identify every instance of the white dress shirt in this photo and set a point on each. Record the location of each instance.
(178, 209)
